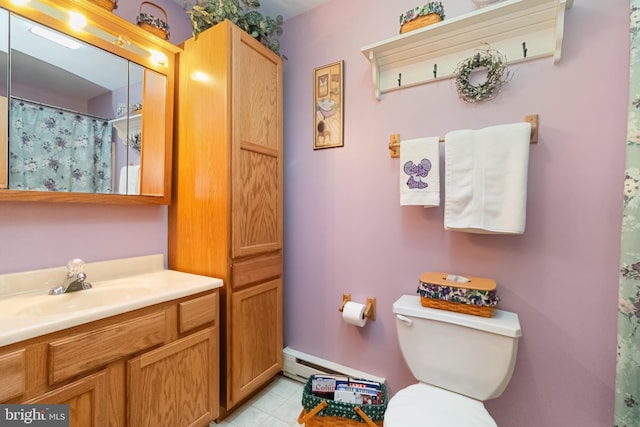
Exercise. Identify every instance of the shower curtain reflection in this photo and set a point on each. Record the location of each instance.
(55, 150)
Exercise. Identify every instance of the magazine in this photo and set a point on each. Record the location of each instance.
(345, 389)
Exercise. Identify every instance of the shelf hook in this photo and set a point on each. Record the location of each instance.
(435, 71)
(524, 49)
(399, 79)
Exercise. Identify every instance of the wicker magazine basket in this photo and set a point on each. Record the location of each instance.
(156, 26)
(476, 297)
(321, 412)
(105, 4)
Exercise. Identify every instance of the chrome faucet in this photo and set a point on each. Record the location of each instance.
(74, 279)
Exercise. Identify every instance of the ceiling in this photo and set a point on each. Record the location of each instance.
(286, 8)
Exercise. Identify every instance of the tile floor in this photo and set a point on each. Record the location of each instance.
(277, 405)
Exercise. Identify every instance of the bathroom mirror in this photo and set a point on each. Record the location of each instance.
(86, 112)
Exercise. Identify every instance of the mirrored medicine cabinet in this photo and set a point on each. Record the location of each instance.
(86, 106)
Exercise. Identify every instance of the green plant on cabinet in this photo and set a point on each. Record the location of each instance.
(244, 13)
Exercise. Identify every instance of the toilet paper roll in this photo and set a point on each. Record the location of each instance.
(353, 314)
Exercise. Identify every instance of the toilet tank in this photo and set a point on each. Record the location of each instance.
(470, 355)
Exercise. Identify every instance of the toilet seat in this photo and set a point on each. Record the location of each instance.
(421, 405)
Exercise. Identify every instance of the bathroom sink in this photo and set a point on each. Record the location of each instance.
(45, 305)
(119, 286)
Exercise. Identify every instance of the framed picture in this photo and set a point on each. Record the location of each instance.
(328, 113)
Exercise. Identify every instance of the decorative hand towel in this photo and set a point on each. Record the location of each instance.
(129, 180)
(420, 172)
(486, 179)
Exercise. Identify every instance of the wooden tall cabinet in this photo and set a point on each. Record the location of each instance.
(226, 215)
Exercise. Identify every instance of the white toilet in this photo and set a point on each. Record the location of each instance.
(460, 360)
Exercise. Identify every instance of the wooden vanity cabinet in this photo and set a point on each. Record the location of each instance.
(156, 366)
(226, 218)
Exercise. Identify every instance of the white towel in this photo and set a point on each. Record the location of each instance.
(129, 180)
(420, 172)
(486, 179)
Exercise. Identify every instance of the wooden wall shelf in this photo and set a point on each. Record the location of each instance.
(521, 30)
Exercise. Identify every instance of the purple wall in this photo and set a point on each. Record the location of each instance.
(345, 231)
(42, 235)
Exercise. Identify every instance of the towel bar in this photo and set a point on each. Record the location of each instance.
(394, 140)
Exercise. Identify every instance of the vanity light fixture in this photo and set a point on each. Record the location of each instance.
(55, 37)
(122, 41)
(20, 2)
(77, 21)
(159, 57)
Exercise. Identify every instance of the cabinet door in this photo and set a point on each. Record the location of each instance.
(256, 338)
(257, 148)
(86, 398)
(13, 381)
(175, 385)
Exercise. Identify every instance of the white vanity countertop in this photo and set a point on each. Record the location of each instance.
(27, 311)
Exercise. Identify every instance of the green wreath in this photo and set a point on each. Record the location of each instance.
(495, 64)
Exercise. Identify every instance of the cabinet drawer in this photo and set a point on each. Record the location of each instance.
(255, 271)
(198, 312)
(12, 380)
(82, 352)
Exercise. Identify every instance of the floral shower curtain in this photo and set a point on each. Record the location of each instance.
(627, 403)
(55, 150)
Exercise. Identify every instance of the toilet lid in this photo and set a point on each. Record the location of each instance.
(422, 405)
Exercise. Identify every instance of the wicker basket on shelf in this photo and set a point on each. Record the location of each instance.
(477, 296)
(106, 4)
(419, 22)
(421, 16)
(156, 26)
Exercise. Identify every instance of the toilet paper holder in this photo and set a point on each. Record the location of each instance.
(370, 307)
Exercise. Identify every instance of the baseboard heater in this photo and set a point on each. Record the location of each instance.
(300, 366)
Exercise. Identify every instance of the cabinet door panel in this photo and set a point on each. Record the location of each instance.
(13, 379)
(86, 398)
(256, 337)
(257, 151)
(257, 88)
(255, 224)
(175, 385)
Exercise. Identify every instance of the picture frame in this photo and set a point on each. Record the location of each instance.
(328, 102)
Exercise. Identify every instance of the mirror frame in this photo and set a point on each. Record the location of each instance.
(137, 48)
